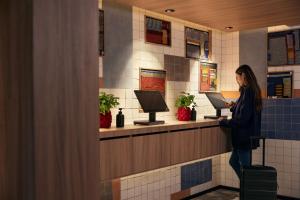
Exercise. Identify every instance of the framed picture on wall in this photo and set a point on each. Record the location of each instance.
(197, 44)
(157, 31)
(284, 48)
(208, 77)
(280, 84)
(152, 79)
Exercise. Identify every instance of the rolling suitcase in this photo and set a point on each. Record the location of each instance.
(258, 182)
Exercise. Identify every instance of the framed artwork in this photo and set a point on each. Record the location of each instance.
(197, 44)
(284, 48)
(208, 77)
(280, 84)
(157, 31)
(152, 79)
(101, 32)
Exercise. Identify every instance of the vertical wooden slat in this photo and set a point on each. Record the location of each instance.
(165, 149)
(182, 146)
(175, 147)
(48, 100)
(215, 140)
(116, 158)
(187, 145)
(204, 144)
(146, 153)
(198, 143)
(65, 99)
(16, 97)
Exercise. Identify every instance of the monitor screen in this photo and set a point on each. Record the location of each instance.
(151, 101)
(216, 99)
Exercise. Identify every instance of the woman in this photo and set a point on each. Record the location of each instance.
(246, 118)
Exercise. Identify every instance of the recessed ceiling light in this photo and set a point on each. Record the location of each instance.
(228, 27)
(169, 10)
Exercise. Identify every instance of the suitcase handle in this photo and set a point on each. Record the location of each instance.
(251, 144)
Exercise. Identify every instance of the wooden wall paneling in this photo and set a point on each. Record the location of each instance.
(222, 140)
(48, 95)
(16, 97)
(116, 158)
(219, 140)
(146, 152)
(215, 140)
(65, 79)
(166, 141)
(210, 142)
(65, 82)
(198, 144)
(4, 55)
(174, 140)
(182, 146)
(187, 145)
(205, 145)
(134, 154)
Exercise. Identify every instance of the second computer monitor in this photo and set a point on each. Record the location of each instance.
(216, 99)
(218, 102)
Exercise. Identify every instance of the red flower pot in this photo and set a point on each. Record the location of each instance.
(184, 114)
(105, 120)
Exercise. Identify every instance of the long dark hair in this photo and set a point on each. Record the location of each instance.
(252, 83)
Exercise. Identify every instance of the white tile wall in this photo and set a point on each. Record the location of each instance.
(146, 55)
(160, 184)
(230, 60)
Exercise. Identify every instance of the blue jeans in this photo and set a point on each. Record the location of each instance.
(238, 159)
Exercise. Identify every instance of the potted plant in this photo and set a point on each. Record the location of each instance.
(106, 102)
(183, 103)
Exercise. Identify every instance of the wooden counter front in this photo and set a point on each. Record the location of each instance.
(136, 148)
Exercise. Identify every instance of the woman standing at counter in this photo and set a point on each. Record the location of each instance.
(246, 118)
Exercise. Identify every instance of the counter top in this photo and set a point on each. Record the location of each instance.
(169, 126)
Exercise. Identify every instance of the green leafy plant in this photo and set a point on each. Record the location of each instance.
(185, 100)
(106, 102)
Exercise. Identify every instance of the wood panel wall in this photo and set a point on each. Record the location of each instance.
(16, 109)
(127, 155)
(48, 100)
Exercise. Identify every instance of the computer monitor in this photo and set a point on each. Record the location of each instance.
(151, 102)
(218, 102)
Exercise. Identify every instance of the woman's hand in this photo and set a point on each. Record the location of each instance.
(229, 105)
(222, 121)
(221, 118)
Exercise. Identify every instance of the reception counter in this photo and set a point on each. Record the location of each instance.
(135, 148)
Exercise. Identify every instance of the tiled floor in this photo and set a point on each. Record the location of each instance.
(219, 195)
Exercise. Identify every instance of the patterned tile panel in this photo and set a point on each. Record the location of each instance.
(196, 174)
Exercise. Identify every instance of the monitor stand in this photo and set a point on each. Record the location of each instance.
(152, 120)
(217, 116)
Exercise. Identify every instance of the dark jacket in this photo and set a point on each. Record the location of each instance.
(245, 122)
